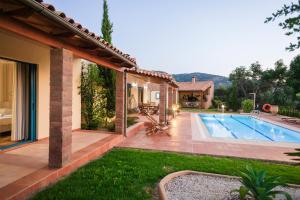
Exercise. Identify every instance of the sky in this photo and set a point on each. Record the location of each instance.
(185, 36)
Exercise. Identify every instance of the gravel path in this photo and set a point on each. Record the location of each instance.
(204, 187)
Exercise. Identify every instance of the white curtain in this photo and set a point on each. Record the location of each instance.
(20, 108)
(6, 70)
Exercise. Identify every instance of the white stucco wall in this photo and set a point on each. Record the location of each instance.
(76, 100)
(153, 97)
(134, 90)
(22, 49)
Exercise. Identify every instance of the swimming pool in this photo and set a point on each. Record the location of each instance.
(247, 128)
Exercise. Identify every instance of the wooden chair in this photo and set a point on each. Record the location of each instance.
(155, 127)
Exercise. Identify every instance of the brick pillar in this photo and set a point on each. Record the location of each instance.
(174, 96)
(170, 98)
(121, 104)
(163, 96)
(60, 139)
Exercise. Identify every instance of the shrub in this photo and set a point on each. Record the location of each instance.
(111, 126)
(131, 121)
(247, 105)
(289, 111)
(91, 96)
(258, 185)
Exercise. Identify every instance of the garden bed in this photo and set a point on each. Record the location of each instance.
(196, 185)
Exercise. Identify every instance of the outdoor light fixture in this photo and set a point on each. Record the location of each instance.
(146, 86)
(134, 84)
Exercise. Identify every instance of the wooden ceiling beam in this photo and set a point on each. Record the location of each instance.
(64, 34)
(20, 12)
(9, 24)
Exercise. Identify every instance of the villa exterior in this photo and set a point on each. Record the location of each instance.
(149, 88)
(196, 94)
(40, 63)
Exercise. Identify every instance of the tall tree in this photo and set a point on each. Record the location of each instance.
(107, 75)
(294, 74)
(107, 26)
(240, 77)
(291, 24)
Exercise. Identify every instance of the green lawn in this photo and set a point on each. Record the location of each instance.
(133, 174)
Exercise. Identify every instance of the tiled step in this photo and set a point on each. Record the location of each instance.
(36, 181)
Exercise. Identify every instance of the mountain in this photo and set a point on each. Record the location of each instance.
(218, 80)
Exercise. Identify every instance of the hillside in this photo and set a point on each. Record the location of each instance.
(218, 80)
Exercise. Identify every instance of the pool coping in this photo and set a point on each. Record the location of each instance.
(199, 127)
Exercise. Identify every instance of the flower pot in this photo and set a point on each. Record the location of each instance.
(274, 109)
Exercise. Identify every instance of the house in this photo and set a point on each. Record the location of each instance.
(146, 87)
(196, 94)
(40, 63)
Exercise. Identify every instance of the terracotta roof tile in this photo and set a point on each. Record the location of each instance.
(197, 86)
(162, 75)
(83, 29)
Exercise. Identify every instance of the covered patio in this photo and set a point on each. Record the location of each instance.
(24, 170)
(196, 94)
(36, 34)
(153, 92)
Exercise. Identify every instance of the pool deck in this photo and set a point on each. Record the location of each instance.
(181, 138)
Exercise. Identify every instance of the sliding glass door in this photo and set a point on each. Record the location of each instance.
(17, 102)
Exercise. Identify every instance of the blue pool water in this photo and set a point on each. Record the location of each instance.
(247, 128)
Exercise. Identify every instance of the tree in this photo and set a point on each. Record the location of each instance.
(108, 76)
(240, 77)
(107, 26)
(255, 73)
(232, 98)
(291, 24)
(275, 88)
(294, 74)
(91, 96)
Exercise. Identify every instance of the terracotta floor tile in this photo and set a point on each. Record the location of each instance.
(180, 140)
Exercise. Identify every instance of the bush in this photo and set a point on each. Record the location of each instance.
(131, 121)
(257, 185)
(111, 126)
(289, 111)
(247, 105)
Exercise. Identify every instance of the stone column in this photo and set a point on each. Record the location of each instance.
(163, 96)
(60, 138)
(121, 104)
(170, 98)
(174, 96)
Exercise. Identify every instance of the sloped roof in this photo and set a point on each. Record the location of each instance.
(156, 74)
(84, 30)
(197, 86)
(56, 24)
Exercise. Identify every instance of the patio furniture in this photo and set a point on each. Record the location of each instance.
(291, 120)
(149, 108)
(191, 104)
(155, 127)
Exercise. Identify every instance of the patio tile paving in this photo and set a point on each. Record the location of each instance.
(22, 161)
(179, 139)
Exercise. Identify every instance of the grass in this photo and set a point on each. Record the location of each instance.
(133, 174)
